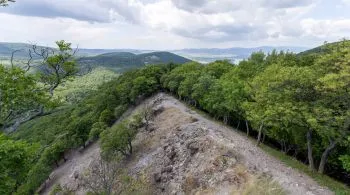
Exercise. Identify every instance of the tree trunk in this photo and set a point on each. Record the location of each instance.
(225, 120)
(309, 151)
(52, 88)
(259, 135)
(295, 153)
(325, 155)
(239, 122)
(247, 126)
(13, 127)
(263, 139)
(130, 148)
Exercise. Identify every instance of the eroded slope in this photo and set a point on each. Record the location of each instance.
(189, 154)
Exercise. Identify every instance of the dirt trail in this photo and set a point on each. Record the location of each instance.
(190, 154)
(290, 179)
(77, 162)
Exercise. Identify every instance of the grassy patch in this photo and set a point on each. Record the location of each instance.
(262, 186)
(78, 88)
(323, 180)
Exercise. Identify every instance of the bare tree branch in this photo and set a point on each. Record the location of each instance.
(12, 56)
(5, 2)
(28, 63)
(101, 177)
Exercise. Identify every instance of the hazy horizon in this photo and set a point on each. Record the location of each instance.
(189, 48)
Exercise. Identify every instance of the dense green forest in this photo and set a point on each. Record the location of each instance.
(123, 61)
(297, 103)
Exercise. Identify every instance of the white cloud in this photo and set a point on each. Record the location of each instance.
(326, 28)
(346, 2)
(159, 23)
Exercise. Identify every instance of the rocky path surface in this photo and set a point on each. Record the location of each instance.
(67, 173)
(187, 153)
(293, 181)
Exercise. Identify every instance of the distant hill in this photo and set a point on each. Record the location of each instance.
(323, 48)
(7, 48)
(114, 59)
(121, 61)
(233, 54)
(204, 55)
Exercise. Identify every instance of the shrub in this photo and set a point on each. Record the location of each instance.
(107, 116)
(96, 130)
(118, 139)
(119, 110)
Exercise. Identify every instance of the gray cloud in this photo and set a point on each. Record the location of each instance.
(79, 10)
(130, 13)
(286, 3)
(189, 5)
(225, 33)
(211, 21)
(208, 6)
(219, 6)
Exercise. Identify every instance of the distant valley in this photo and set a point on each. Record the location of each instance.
(141, 57)
(234, 54)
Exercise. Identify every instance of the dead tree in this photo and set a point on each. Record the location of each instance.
(147, 115)
(101, 177)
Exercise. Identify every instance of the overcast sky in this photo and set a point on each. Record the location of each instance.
(175, 24)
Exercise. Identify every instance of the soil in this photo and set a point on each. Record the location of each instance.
(187, 153)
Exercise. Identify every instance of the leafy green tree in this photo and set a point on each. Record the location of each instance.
(214, 102)
(346, 162)
(36, 176)
(118, 139)
(332, 110)
(107, 116)
(16, 158)
(186, 86)
(234, 93)
(252, 66)
(173, 80)
(201, 87)
(54, 153)
(59, 66)
(19, 95)
(142, 85)
(218, 68)
(96, 130)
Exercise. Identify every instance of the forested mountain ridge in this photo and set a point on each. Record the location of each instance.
(324, 49)
(114, 59)
(6, 49)
(299, 104)
(196, 54)
(234, 54)
(121, 61)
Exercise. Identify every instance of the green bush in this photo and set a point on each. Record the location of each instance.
(119, 110)
(346, 162)
(118, 139)
(96, 130)
(107, 116)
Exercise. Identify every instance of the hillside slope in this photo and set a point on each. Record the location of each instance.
(6, 49)
(122, 61)
(325, 48)
(189, 154)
